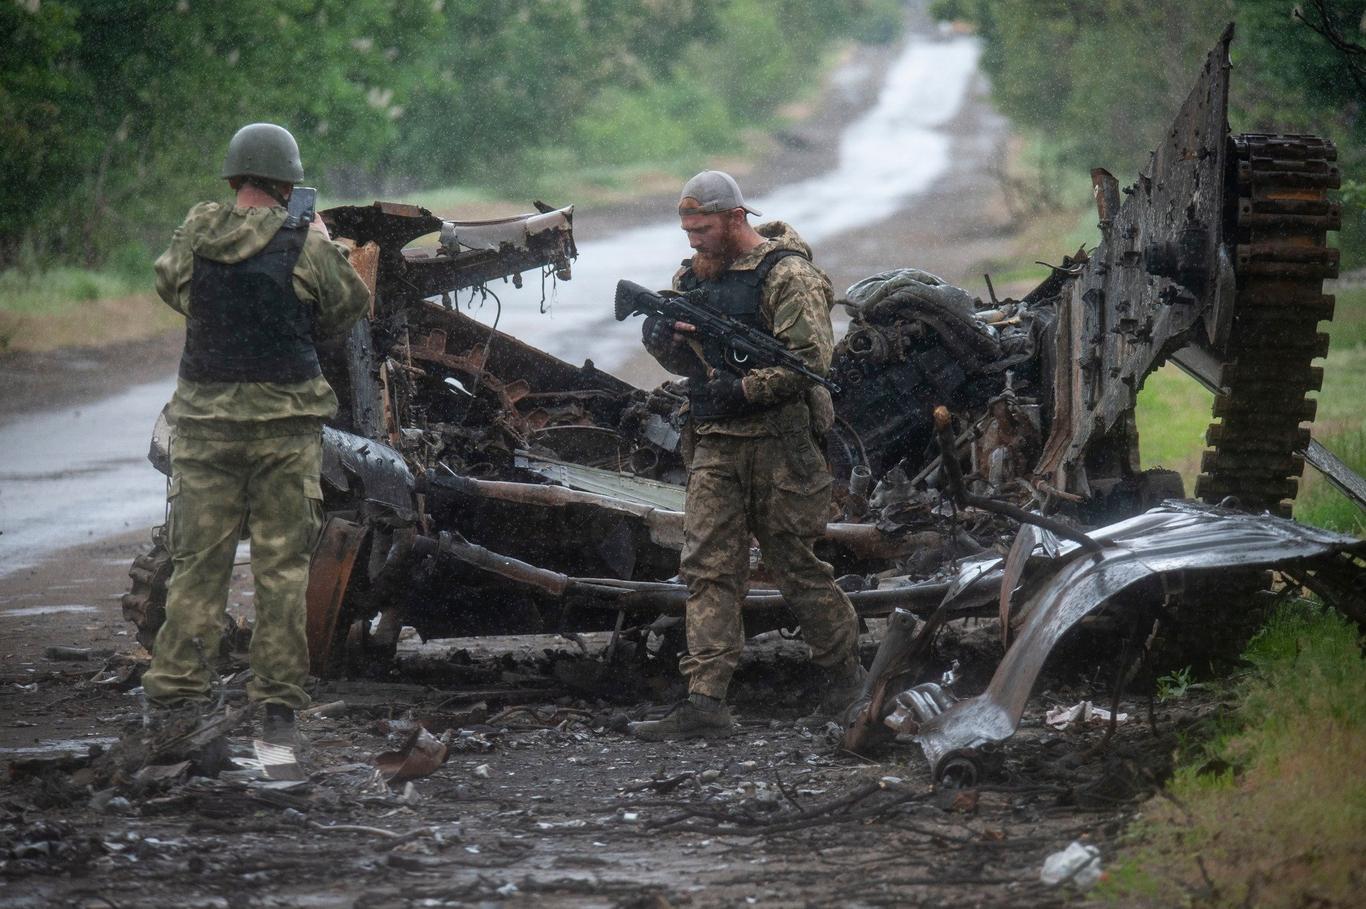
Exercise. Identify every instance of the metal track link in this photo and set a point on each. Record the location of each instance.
(145, 603)
(1282, 214)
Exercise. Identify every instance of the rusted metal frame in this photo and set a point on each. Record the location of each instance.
(509, 356)
(644, 596)
(430, 348)
(1157, 273)
(863, 541)
(547, 241)
(329, 578)
(958, 492)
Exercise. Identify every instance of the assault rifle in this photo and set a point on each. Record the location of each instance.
(740, 346)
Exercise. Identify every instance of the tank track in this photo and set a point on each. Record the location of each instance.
(1281, 218)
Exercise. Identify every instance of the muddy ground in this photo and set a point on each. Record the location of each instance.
(544, 800)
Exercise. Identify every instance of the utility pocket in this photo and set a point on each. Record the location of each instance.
(801, 467)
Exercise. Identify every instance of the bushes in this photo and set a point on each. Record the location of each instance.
(1103, 79)
(113, 116)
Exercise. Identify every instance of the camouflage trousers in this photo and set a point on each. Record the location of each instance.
(273, 485)
(777, 489)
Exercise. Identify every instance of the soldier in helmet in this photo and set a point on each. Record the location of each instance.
(246, 418)
(755, 466)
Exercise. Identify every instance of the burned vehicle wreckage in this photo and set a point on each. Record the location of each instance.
(985, 453)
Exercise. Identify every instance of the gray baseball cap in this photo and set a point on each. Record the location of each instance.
(714, 190)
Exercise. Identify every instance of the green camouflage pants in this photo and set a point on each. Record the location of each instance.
(777, 489)
(215, 485)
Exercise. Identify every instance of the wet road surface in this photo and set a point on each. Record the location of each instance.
(78, 473)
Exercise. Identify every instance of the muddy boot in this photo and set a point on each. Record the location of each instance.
(279, 728)
(839, 687)
(697, 717)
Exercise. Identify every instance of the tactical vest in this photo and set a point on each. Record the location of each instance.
(245, 322)
(738, 294)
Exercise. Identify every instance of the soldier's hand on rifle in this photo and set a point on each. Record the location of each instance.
(726, 388)
(661, 335)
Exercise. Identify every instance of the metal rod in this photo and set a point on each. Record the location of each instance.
(948, 453)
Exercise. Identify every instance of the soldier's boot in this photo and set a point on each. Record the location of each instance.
(697, 717)
(839, 688)
(279, 728)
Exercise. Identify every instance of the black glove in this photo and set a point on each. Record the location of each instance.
(657, 334)
(726, 389)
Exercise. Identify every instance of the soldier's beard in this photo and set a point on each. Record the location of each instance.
(708, 265)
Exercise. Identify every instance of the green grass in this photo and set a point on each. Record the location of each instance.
(1348, 327)
(1270, 810)
(1339, 423)
(1173, 413)
(32, 292)
(1321, 504)
(1174, 410)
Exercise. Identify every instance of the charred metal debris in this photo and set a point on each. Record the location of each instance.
(986, 454)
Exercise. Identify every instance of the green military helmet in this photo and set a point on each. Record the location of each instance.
(264, 150)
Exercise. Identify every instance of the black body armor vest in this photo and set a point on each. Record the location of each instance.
(245, 322)
(738, 294)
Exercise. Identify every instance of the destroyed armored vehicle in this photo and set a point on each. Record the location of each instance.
(476, 485)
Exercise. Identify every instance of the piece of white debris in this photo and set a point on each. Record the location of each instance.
(1078, 863)
(1080, 713)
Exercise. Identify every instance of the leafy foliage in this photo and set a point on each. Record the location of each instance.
(113, 115)
(1102, 79)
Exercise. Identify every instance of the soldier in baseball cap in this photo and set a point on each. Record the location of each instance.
(756, 465)
(712, 191)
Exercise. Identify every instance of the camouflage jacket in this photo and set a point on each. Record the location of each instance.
(322, 277)
(795, 303)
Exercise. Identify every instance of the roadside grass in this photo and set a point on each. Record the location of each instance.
(25, 291)
(87, 323)
(44, 309)
(1173, 412)
(1268, 806)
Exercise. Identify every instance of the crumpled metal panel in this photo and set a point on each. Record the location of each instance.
(1173, 537)
(470, 253)
(381, 471)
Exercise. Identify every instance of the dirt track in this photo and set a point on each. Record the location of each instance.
(571, 812)
(551, 806)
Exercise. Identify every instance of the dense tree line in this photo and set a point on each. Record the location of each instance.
(114, 115)
(1099, 80)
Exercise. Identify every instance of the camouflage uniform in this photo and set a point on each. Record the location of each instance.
(764, 475)
(246, 453)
